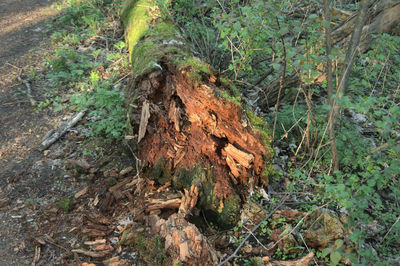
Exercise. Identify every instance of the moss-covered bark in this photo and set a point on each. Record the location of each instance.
(198, 133)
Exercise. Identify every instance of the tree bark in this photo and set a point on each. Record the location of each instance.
(192, 127)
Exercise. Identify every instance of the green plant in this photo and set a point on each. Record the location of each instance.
(239, 225)
(334, 252)
(65, 204)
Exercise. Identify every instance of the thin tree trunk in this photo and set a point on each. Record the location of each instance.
(343, 81)
(332, 138)
(383, 16)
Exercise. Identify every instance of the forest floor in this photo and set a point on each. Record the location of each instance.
(28, 179)
(36, 187)
(82, 199)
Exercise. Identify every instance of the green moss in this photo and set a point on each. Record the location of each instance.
(235, 100)
(225, 217)
(229, 214)
(135, 17)
(65, 204)
(227, 84)
(261, 126)
(269, 172)
(185, 178)
(160, 172)
(150, 248)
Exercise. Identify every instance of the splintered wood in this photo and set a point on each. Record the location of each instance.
(191, 126)
(189, 200)
(144, 120)
(184, 240)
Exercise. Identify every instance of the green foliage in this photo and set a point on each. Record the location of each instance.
(78, 70)
(67, 66)
(334, 252)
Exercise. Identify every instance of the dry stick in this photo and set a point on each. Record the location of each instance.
(308, 249)
(297, 225)
(62, 130)
(280, 81)
(251, 233)
(28, 87)
(28, 90)
(398, 219)
(258, 241)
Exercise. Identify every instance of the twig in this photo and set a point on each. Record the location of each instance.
(47, 239)
(28, 90)
(27, 85)
(308, 249)
(12, 103)
(258, 241)
(398, 219)
(297, 225)
(62, 130)
(251, 233)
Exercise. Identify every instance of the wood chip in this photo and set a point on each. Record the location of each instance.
(174, 114)
(114, 261)
(156, 204)
(102, 247)
(126, 171)
(241, 157)
(97, 218)
(304, 261)
(79, 163)
(37, 256)
(81, 193)
(4, 204)
(189, 200)
(119, 186)
(232, 165)
(93, 254)
(96, 242)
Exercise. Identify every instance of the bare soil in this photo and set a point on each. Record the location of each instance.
(28, 180)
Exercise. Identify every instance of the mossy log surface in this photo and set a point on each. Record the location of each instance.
(193, 127)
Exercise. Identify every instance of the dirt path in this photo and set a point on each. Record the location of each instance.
(28, 179)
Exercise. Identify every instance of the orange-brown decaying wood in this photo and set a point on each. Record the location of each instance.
(190, 125)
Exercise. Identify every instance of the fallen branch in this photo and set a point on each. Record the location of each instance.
(62, 130)
(251, 233)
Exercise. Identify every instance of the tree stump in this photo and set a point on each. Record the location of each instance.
(189, 125)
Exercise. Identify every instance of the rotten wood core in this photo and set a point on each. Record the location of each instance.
(189, 125)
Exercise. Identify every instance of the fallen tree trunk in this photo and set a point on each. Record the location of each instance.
(383, 17)
(191, 128)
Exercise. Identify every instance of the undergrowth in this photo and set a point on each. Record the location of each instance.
(255, 42)
(89, 65)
